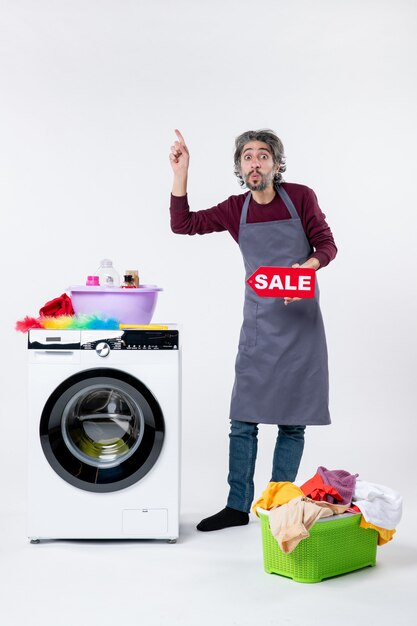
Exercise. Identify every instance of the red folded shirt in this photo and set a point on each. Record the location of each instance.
(317, 490)
(57, 306)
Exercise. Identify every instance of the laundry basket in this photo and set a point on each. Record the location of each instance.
(335, 546)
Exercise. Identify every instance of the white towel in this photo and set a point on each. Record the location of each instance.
(380, 505)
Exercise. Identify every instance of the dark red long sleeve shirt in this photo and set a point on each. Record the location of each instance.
(226, 216)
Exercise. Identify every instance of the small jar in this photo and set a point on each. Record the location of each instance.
(93, 281)
(128, 282)
(135, 275)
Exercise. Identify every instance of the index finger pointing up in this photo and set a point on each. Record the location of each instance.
(180, 137)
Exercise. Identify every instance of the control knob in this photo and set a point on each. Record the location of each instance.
(103, 349)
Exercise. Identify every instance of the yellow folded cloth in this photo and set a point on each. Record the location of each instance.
(144, 326)
(276, 494)
(384, 535)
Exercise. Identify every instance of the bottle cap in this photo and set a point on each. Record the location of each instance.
(93, 281)
(106, 263)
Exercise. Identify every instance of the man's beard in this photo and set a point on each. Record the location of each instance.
(266, 180)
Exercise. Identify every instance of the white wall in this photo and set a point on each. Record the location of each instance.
(90, 95)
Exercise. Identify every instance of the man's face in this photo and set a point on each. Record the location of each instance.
(257, 166)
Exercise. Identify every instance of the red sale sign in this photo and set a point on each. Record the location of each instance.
(283, 282)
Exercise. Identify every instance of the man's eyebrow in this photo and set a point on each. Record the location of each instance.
(259, 149)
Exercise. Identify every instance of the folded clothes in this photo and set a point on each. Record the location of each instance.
(58, 306)
(340, 480)
(276, 494)
(290, 523)
(380, 505)
(384, 535)
(293, 509)
(316, 489)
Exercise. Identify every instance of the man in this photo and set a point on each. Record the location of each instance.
(281, 366)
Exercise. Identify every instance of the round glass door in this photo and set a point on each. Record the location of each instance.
(102, 430)
(102, 425)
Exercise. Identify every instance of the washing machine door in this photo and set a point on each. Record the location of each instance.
(102, 430)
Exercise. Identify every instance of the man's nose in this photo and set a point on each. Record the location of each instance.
(255, 163)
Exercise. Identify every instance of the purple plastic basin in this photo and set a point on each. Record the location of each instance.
(128, 306)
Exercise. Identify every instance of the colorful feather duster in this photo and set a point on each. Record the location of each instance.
(68, 322)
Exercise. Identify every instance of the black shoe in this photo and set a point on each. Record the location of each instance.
(224, 519)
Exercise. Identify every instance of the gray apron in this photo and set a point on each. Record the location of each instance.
(281, 366)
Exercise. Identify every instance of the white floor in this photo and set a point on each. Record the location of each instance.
(206, 578)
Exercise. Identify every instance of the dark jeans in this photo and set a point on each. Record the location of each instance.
(242, 457)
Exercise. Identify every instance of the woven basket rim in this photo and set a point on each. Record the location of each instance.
(266, 513)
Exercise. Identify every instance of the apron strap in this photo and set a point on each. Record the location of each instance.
(284, 197)
(244, 213)
(287, 201)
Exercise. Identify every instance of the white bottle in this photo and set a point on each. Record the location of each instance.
(108, 276)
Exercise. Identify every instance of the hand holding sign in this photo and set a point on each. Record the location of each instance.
(288, 300)
(311, 263)
(282, 282)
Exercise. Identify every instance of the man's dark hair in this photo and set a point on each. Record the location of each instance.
(267, 136)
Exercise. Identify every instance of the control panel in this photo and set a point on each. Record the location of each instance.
(103, 341)
(133, 340)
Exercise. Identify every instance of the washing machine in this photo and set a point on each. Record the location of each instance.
(104, 434)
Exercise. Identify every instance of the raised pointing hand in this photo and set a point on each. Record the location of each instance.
(179, 155)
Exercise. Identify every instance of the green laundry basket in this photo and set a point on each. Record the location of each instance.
(335, 546)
